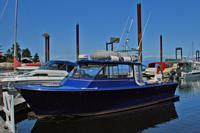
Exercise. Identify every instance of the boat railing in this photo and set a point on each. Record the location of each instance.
(8, 108)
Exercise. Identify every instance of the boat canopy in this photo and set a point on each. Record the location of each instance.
(113, 56)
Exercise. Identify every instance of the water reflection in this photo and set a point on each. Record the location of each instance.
(189, 87)
(130, 121)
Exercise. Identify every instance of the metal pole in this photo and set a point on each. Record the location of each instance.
(46, 53)
(48, 49)
(197, 55)
(161, 49)
(161, 55)
(15, 34)
(192, 50)
(176, 52)
(77, 42)
(181, 54)
(139, 18)
(106, 46)
(46, 37)
(112, 47)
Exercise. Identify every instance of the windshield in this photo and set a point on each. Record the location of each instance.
(151, 65)
(102, 71)
(85, 71)
(54, 66)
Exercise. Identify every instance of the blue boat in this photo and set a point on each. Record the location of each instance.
(97, 87)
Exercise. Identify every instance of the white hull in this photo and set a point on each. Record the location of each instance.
(194, 75)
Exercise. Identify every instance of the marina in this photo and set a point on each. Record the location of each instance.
(129, 83)
(180, 116)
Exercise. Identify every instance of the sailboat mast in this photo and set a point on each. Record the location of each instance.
(15, 34)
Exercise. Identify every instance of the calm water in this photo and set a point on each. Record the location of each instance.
(179, 117)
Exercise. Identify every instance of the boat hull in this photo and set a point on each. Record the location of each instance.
(96, 102)
(191, 76)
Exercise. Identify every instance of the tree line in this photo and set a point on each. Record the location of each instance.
(21, 53)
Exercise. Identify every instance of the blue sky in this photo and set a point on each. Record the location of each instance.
(177, 20)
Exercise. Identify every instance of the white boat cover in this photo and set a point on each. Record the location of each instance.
(111, 55)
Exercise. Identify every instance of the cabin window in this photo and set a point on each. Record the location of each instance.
(26, 61)
(168, 65)
(116, 71)
(102, 71)
(69, 68)
(125, 71)
(85, 71)
(151, 65)
(157, 66)
(62, 67)
(112, 71)
(53, 67)
(138, 74)
(40, 74)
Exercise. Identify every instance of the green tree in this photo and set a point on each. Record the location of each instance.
(36, 58)
(26, 53)
(18, 51)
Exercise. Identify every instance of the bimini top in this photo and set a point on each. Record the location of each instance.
(106, 62)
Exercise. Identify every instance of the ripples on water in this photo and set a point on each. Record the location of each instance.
(181, 116)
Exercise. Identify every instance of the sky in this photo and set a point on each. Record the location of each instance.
(177, 20)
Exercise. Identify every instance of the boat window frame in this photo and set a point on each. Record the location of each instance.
(140, 73)
(131, 66)
(70, 75)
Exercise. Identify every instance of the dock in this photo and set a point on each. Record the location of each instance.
(19, 106)
(3, 128)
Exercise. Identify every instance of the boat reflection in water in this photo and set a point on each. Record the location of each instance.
(129, 121)
(189, 87)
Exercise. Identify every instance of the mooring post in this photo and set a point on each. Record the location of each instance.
(77, 42)
(47, 46)
(161, 55)
(177, 50)
(106, 46)
(139, 19)
(197, 55)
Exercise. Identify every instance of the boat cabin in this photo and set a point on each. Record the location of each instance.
(117, 72)
(156, 67)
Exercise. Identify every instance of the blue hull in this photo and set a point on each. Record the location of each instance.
(95, 102)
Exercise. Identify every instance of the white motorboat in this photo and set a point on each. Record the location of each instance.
(52, 72)
(190, 71)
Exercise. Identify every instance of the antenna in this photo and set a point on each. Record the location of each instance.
(145, 27)
(4, 9)
(192, 50)
(128, 33)
(124, 29)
